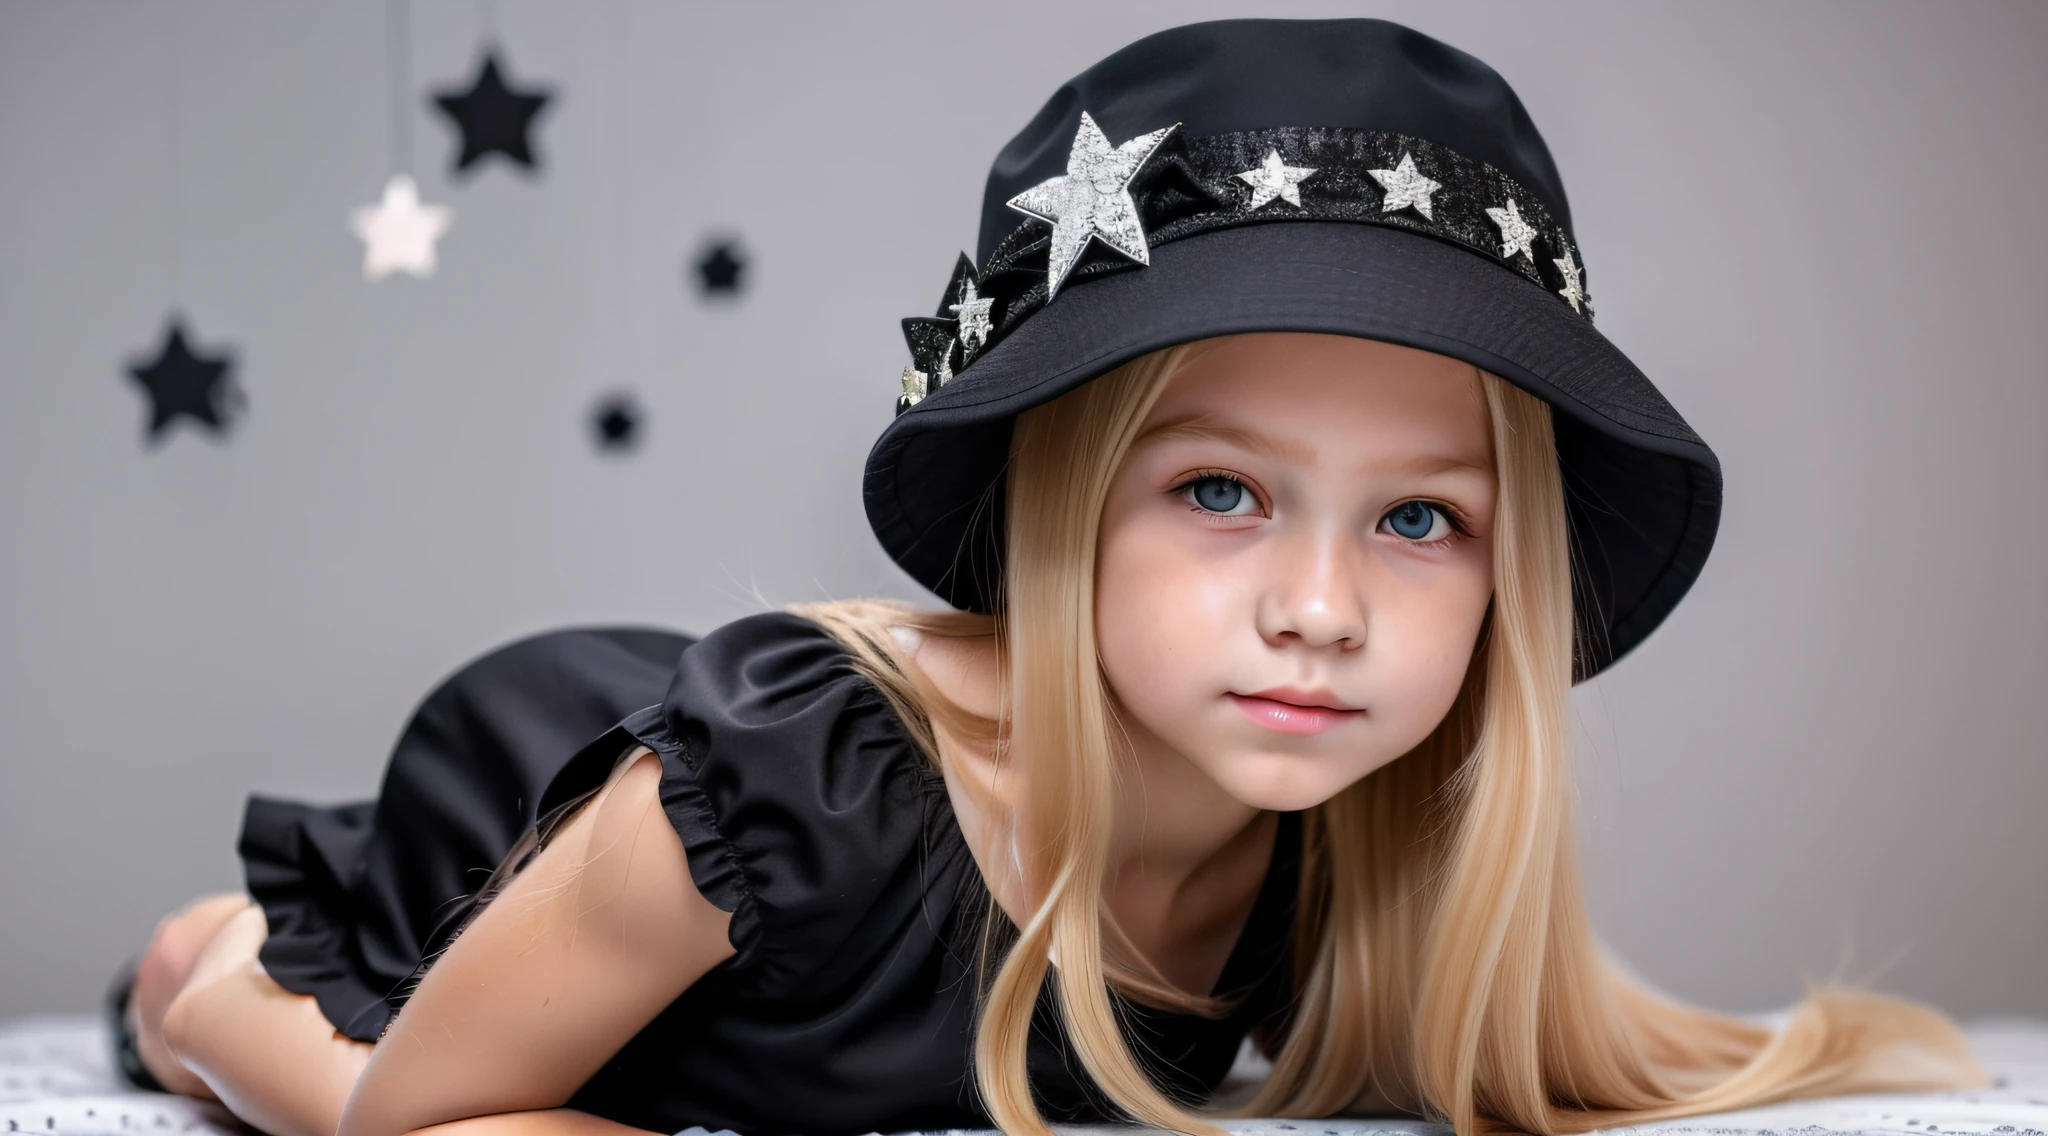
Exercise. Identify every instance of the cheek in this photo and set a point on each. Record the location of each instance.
(1160, 613)
(1424, 638)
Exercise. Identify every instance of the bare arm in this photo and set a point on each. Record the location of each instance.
(597, 935)
(552, 1122)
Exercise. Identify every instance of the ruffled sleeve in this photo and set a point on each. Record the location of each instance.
(799, 798)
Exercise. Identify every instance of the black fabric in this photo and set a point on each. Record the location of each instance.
(1223, 76)
(1191, 186)
(807, 812)
(1646, 490)
(355, 892)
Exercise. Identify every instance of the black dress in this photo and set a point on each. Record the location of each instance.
(805, 811)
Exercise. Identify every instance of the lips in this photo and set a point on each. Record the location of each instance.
(1291, 710)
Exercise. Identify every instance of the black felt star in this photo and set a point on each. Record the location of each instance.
(616, 423)
(183, 384)
(493, 117)
(719, 269)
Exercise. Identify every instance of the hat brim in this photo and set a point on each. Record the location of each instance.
(1643, 491)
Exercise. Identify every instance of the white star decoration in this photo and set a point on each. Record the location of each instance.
(1574, 289)
(975, 323)
(1092, 200)
(1515, 233)
(1274, 178)
(1405, 187)
(399, 232)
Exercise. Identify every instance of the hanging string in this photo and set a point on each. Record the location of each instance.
(487, 22)
(614, 106)
(398, 77)
(174, 201)
(637, 311)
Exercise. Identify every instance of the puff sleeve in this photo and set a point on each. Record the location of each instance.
(799, 798)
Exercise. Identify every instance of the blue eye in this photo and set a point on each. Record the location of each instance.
(1417, 521)
(1223, 495)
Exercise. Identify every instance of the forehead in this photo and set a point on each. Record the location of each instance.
(1334, 394)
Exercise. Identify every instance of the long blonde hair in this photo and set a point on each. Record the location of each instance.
(1444, 964)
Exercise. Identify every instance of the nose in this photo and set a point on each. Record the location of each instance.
(1317, 597)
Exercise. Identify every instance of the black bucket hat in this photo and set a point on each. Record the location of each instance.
(1352, 177)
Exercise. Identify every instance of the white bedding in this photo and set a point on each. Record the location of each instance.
(56, 1079)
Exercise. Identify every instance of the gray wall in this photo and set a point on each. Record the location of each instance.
(1820, 227)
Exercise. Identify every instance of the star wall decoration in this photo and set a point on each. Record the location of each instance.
(493, 117)
(1092, 200)
(181, 383)
(1406, 187)
(615, 423)
(1274, 179)
(720, 270)
(1516, 234)
(975, 321)
(399, 232)
(1574, 290)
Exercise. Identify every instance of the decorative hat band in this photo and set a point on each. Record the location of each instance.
(1115, 203)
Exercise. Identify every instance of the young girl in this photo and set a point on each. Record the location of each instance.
(1285, 487)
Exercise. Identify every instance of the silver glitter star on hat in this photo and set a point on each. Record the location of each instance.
(916, 384)
(1406, 187)
(975, 320)
(1574, 290)
(1274, 178)
(1092, 200)
(1515, 233)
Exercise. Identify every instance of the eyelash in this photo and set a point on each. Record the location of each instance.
(1188, 482)
(1459, 527)
(1453, 521)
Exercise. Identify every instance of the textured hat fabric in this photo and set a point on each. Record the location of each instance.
(1351, 256)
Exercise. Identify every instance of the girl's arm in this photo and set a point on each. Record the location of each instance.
(549, 1122)
(598, 934)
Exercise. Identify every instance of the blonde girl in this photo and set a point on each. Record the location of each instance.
(1283, 487)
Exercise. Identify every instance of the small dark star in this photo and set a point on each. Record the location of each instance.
(719, 269)
(616, 422)
(493, 117)
(181, 383)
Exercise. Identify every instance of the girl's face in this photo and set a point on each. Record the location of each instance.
(1295, 559)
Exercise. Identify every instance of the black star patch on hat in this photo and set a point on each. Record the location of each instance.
(494, 117)
(720, 269)
(616, 423)
(184, 384)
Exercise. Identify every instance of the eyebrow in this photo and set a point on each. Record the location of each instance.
(1251, 440)
(1438, 463)
(1285, 449)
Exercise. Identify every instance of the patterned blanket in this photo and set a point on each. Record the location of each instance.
(56, 1079)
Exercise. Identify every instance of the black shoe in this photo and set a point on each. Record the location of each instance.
(127, 1059)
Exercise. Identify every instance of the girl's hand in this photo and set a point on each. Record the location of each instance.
(598, 934)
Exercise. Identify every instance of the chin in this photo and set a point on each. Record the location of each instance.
(1282, 782)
